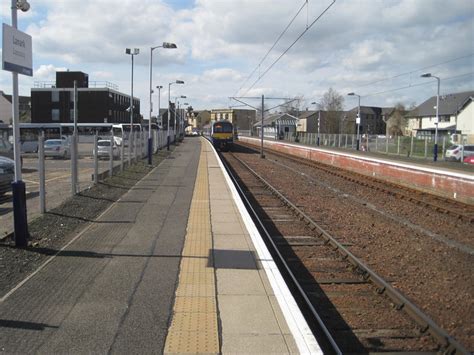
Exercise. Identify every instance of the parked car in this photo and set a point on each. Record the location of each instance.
(469, 160)
(57, 148)
(6, 148)
(7, 174)
(455, 152)
(103, 149)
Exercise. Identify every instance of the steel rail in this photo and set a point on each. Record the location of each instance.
(363, 181)
(448, 343)
(328, 336)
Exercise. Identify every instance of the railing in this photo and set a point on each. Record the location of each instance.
(92, 84)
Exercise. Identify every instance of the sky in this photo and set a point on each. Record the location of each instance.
(375, 48)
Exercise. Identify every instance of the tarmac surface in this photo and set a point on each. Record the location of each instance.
(112, 289)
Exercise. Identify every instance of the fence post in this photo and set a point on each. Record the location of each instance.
(345, 144)
(444, 147)
(72, 147)
(111, 154)
(376, 143)
(121, 154)
(426, 148)
(398, 145)
(96, 159)
(41, 172)
(411, 147)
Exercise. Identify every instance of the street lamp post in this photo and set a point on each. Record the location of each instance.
(185, 116)
(150, 139)
(169, 101)
(435, 149)
(175, 112)
(319, 120)
(357, 119)
(159, 87)
(132, 53)
(159, 121)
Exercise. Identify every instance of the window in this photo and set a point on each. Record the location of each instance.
(55, 114)
(55, 96)
(444, 118)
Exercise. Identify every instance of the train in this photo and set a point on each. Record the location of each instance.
(221, 134)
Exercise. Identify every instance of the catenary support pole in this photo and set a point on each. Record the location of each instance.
(262, 155)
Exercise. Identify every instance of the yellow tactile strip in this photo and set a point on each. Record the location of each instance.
(194, 324)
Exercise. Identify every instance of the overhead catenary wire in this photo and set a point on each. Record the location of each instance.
(291, 45)
(273, 46)
(415, 85)
(415, 70)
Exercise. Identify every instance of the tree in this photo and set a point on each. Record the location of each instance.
(397, 121)
(294, 107)
(332, 102)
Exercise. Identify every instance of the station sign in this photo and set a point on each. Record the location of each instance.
(17, 55)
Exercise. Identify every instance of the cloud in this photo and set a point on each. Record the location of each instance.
(358, 46)
(47, 72)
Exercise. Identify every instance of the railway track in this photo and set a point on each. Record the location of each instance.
(440, 204)
(360, 310)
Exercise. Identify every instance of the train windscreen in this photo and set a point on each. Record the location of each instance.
(223, 127)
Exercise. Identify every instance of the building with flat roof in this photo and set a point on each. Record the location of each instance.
(242, 119)
(98, 102)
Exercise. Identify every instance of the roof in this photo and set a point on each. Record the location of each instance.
(280, 118)
(306, 114)
(366, 110)
(21, 99)
(448, 105)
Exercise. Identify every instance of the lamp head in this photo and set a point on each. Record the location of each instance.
(351, 94)
(159, 87)
(426, 75)
(179, 82)
(182, 96)
(314, 103)
(23, 5)
(133, 51)
(169, 45)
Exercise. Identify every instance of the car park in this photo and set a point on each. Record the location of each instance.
(57, 148)
(103, 149)
(7, 174)
(458, 151)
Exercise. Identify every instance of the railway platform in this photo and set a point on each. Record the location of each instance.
(175, 266)
(419, 175)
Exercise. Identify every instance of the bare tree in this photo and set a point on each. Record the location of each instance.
(397, 121)
(332, 102)
(294, 107)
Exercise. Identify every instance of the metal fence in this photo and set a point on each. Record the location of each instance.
(50, 180)
(397, 145)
